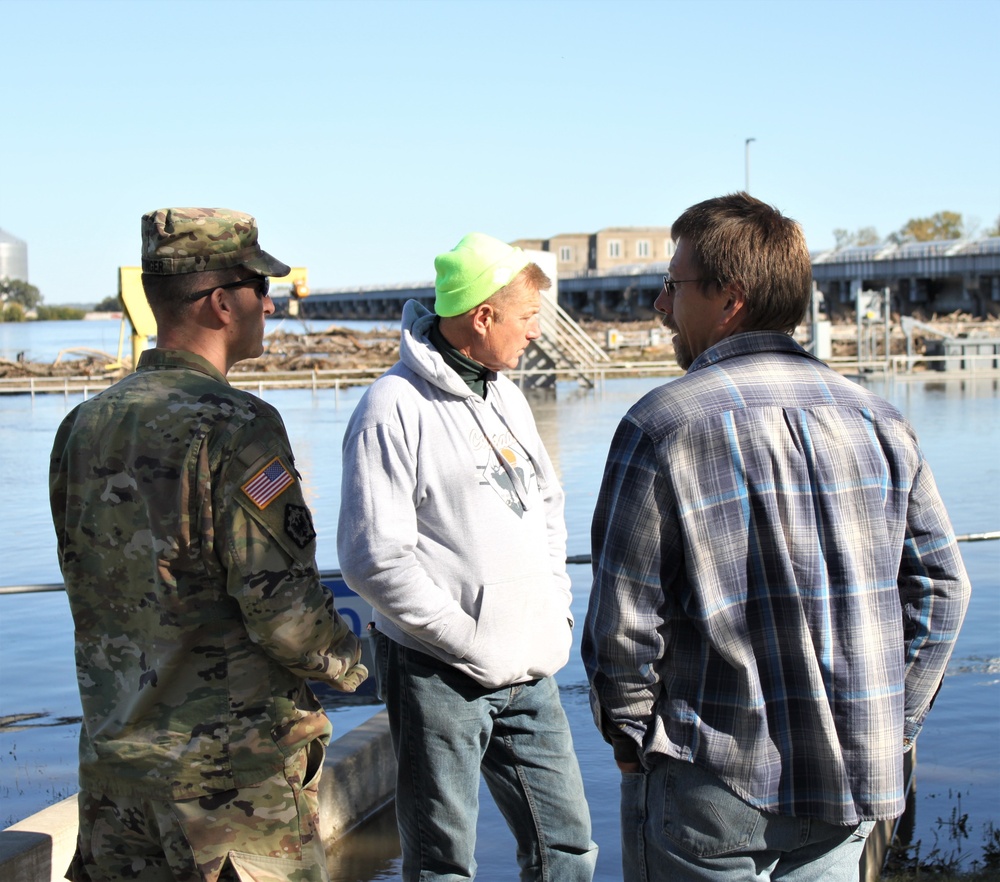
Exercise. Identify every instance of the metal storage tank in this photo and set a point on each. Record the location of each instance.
(13, 257)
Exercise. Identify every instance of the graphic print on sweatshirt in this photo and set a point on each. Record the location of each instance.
(495, 475)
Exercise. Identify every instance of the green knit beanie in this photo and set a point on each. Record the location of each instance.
(474, 270)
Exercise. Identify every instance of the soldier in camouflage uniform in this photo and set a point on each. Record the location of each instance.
(188, 554)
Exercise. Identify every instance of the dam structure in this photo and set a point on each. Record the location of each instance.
(923, 279)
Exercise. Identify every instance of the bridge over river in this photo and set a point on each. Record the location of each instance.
(922, 278)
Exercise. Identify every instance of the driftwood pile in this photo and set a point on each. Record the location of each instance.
(334, 348)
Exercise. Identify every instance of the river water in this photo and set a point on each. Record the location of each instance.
(958, 780)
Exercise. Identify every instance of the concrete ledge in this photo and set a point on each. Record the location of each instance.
(39, 848)
(359, 778)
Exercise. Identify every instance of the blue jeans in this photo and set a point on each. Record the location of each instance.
(446, 729)
(680, 823)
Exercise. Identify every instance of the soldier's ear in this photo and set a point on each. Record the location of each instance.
(221, 305)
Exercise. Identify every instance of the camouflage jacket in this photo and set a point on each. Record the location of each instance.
(188, 554)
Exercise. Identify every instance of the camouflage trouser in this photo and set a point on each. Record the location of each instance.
(265, 833)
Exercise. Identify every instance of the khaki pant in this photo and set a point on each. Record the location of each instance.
(265, 833)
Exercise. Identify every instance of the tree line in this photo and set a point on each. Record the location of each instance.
(940, 225)
(18, 297)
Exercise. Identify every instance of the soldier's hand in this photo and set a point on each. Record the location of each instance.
(352, 679)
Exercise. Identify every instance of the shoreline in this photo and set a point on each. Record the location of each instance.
(363, 355)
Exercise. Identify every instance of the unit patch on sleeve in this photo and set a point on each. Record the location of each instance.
(268, 483)
(299, 525)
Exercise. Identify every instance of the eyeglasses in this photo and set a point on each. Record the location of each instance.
(671, 284)
(260, 284)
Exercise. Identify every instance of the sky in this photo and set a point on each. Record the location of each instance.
(367, 137)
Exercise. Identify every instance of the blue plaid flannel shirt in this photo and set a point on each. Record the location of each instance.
(777, 586)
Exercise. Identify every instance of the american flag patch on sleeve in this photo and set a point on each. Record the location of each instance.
(268, 483)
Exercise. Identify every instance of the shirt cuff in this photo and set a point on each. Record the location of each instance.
(626, 750)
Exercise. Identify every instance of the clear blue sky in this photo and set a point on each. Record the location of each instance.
(369, 136)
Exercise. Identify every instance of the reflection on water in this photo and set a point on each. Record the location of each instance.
(370, 852)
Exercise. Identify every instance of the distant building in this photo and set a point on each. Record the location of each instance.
(610, 248)
(13, 257)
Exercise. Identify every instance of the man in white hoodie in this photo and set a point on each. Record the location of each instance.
(451, 525)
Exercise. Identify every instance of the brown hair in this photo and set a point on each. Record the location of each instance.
(741, 240)
(168, 295)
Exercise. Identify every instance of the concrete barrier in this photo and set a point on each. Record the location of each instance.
(39, 848)
(359, 779)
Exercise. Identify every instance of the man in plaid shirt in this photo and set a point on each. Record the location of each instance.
(777, 586)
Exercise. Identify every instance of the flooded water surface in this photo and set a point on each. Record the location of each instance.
(958, 764)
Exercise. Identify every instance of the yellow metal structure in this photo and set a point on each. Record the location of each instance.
(136, 310)
(298, 284)
(297, 279)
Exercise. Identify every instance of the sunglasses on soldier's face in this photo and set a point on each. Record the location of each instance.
(260, 284)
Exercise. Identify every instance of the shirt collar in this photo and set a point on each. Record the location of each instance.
(163, 359)
(748, 343)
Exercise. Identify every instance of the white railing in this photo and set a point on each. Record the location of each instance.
(567, 344)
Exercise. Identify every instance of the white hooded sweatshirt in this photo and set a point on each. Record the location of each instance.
(451, 519)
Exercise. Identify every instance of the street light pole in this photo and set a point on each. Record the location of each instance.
(747, 146)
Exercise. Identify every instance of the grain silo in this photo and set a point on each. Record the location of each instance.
(13, 257)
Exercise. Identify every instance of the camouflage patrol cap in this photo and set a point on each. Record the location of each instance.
(193, 240)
